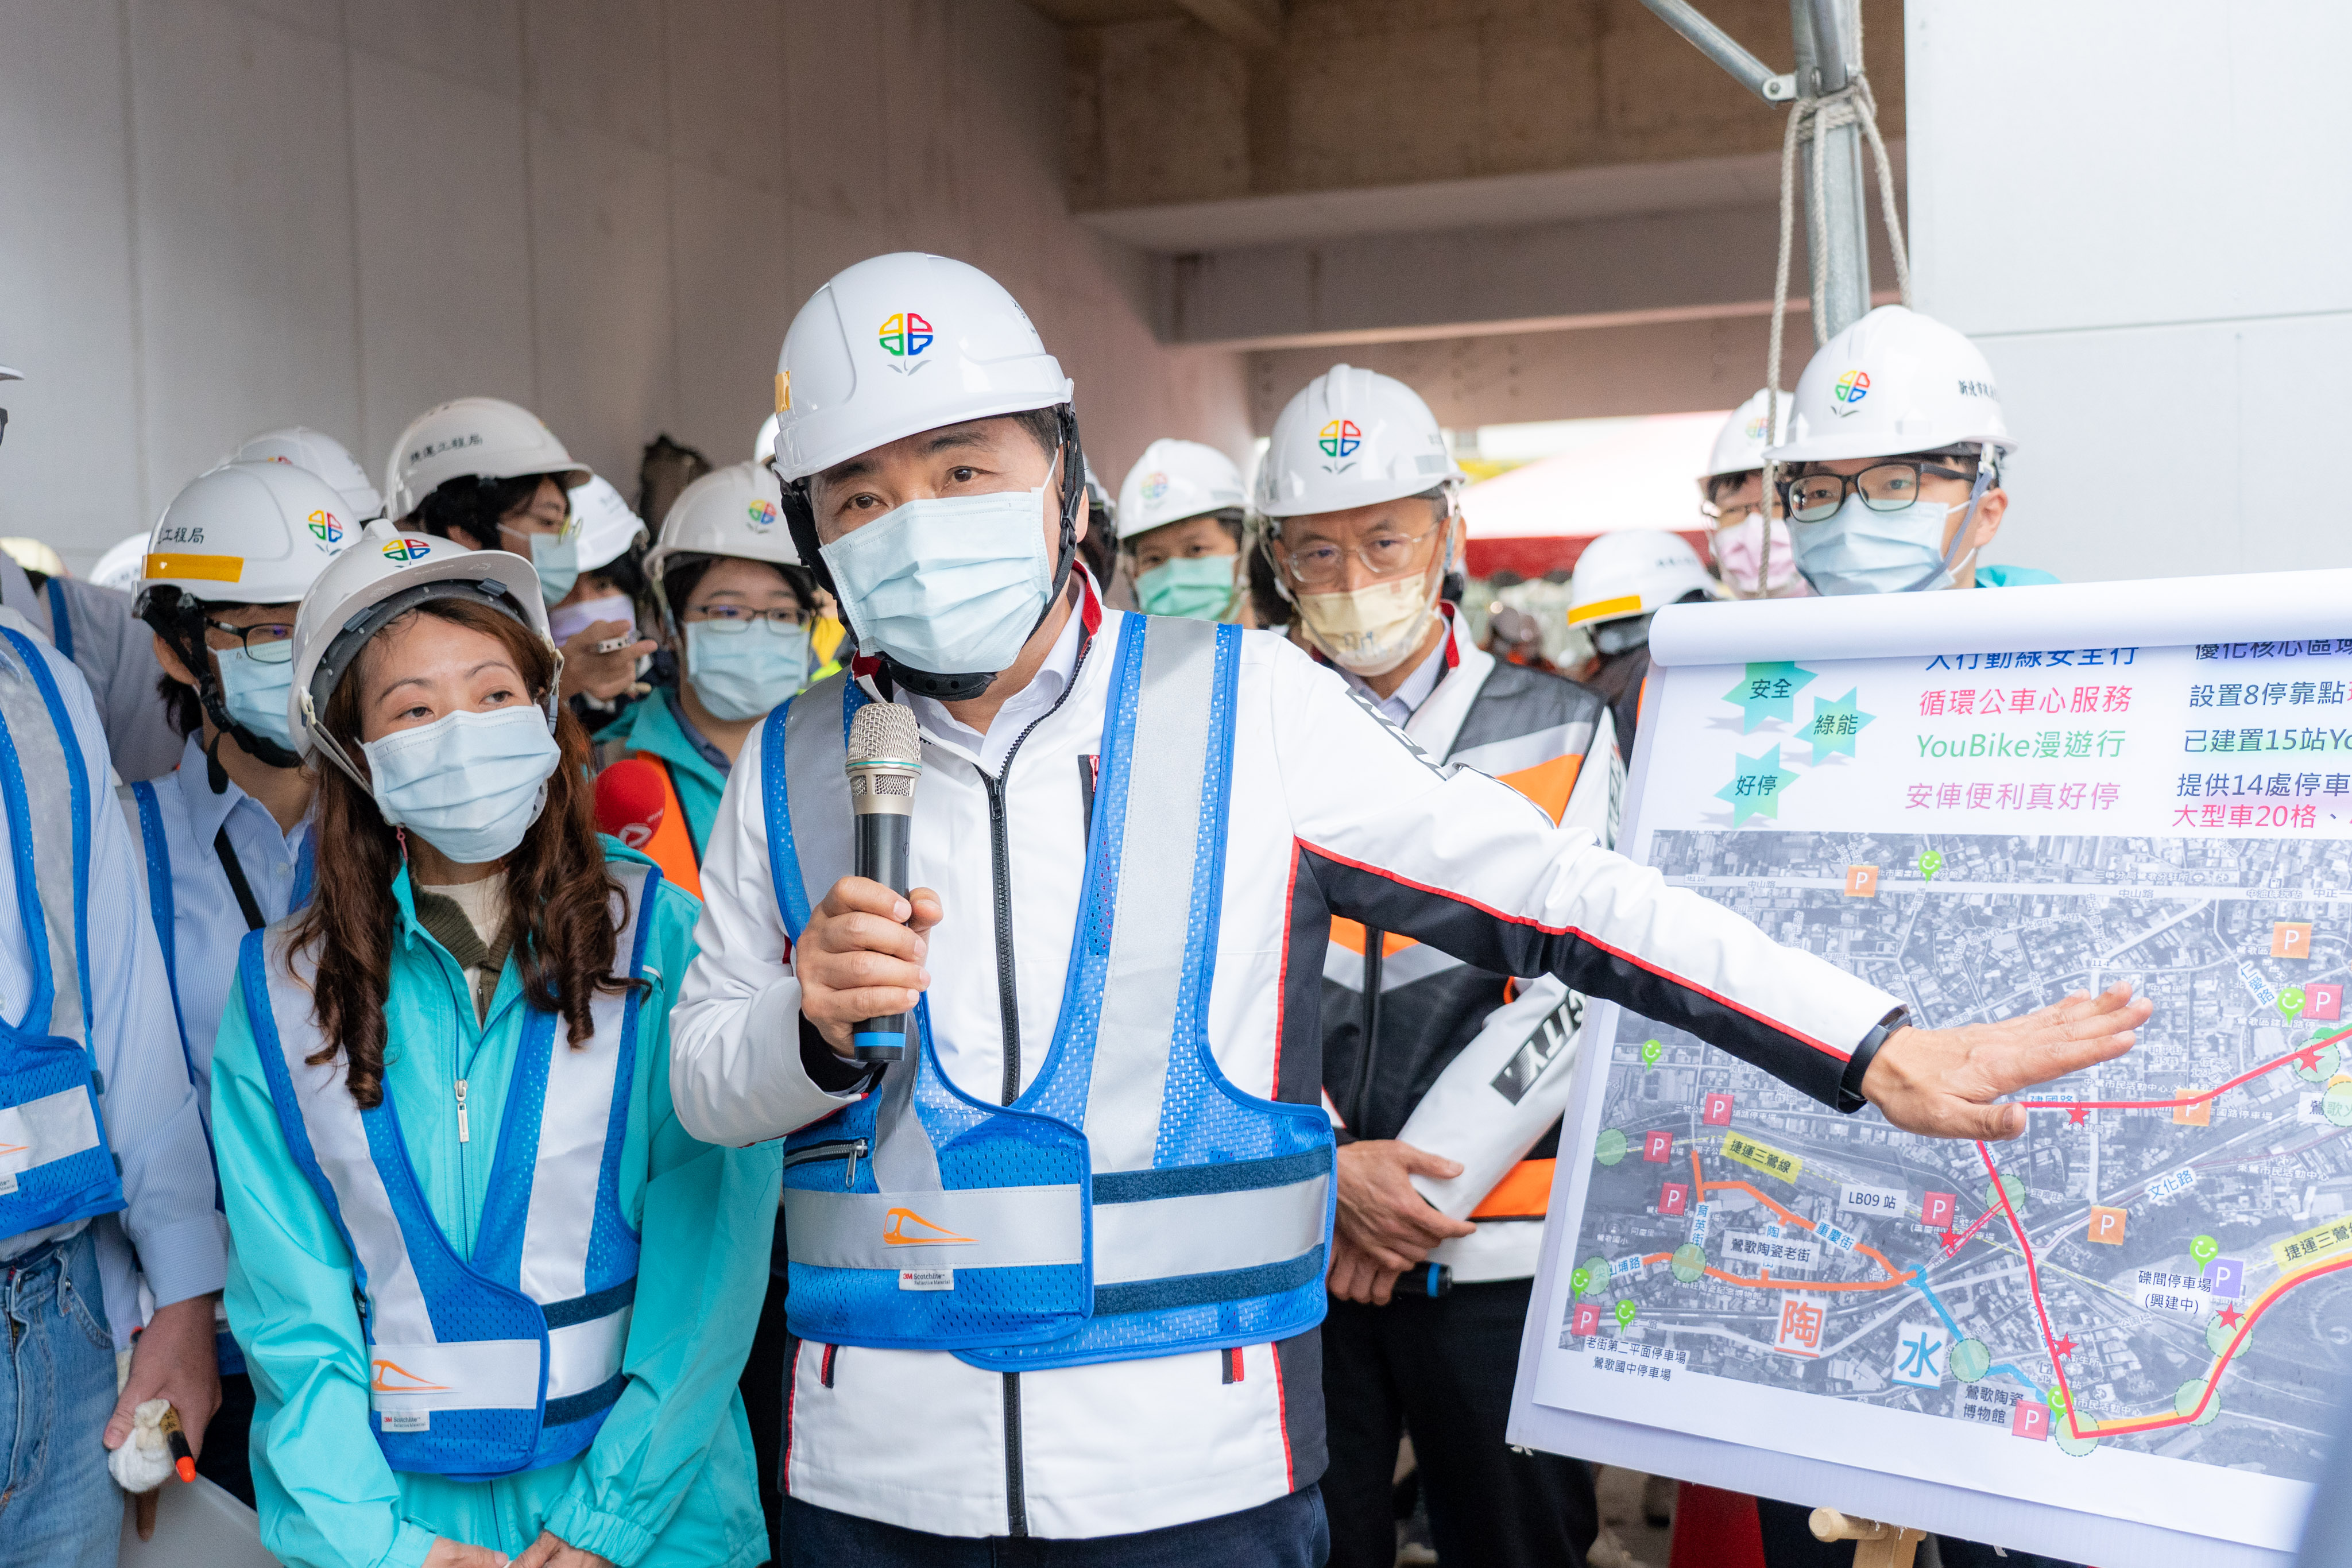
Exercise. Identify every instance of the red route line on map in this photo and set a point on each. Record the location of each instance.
(2187, 1099)
(2212, 1377)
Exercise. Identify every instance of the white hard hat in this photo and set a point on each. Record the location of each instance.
(8, 375)
(899, 344)
(1893, 383)
(324, 456)
(34, 555)
(378, 577)
(737, 510)
(1634, 571)
(486, 437)
(763, 445)
(1740, 444)
(1174, 480)
(247, 533)
(1352, 438)
(606, 528)
(120, 566)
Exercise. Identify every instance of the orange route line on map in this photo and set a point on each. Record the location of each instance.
(1764, 1280)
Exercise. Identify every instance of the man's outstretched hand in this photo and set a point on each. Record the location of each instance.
(1942, 1082)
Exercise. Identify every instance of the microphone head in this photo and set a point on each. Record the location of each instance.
(630, 801)
(884, 733)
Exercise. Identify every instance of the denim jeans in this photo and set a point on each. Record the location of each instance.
(58, 1508)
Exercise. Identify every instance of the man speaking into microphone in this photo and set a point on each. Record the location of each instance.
(1057, 1271)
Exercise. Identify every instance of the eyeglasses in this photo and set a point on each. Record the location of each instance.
(1323, 565)
(1883, 488)
(1725, 516)
(272, 641)
(740, 617)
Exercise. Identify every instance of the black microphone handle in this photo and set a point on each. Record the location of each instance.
(882, 856)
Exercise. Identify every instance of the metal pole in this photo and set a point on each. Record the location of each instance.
(1723, 50)
(1825, 33)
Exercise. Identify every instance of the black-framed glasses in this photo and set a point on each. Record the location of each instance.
(272, 641)
(1322, 565)
(1882, 487)
(740, 617)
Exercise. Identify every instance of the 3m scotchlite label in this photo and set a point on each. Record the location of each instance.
(975, 1227)
(1207, 1233)
(584, 1356)
(467, 1375)
(47, 1129)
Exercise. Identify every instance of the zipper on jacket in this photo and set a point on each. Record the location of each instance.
(465, 1133)
(850, 1149)
(1016, 1497)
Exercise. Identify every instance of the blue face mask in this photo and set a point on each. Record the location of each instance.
(1199, 587)
(556, 557)
(255, 690)
(742, 669)
(1859, 550)
(952, 586)
(471, 784)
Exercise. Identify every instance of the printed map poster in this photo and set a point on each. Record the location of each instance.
(2120, 1339)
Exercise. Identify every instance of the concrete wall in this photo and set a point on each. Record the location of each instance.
(223, 217)
(2140, 209)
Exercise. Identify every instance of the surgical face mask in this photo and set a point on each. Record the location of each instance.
(950, 586)
(1199, 587)
(556, 558)
(573, 619)
(470, 784)
(1372, 630)
(1859, 550)
(742, 669)
(1739, 557)
(255, 690)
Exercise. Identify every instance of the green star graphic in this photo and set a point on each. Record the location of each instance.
(1769, 691)
(1835, 724)
(1755, 788)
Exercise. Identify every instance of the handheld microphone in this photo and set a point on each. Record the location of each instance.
(629, 801)
(884, 758)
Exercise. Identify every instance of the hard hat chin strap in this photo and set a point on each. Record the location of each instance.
(1985, 480)
(187, 636)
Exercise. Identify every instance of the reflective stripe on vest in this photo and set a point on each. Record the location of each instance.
(506, 1361)
(1131, 1202)
(162, 903)
(55, 1165)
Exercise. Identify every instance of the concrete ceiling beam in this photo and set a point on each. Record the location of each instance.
(1252, 25)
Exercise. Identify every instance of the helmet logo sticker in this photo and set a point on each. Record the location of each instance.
(407, 549)
(904, 336)
(326, 528)
(1849, 391)
(1155, 485)
(1340, 438)
(1755, 428)
(763, 514)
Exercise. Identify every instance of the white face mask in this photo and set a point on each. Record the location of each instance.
(952, 585)
(740, 670)
(568, 622)
(471, 784)
(1372, 630)
(1858, 550)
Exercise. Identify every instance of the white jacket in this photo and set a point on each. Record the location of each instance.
(1334, 812)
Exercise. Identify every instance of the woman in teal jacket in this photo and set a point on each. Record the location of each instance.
(494, 1299)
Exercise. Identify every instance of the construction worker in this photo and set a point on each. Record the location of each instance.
(104, 1150)
(1059, 1273)
(1179, 529)
(1621, 579)
(489, 475)
(1413, 1037)
(1748, 540)
(1891, 471)
(521, 1347)
(226, 840)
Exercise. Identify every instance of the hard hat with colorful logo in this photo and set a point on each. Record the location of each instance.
(1740, 444)
(246, 533)
(383, 574)
(737, 510)
(605, 525)
(1352, 438)
(1633, 571)
(900, 344)
(1893, 382)
(124, 560)
(324, 456)
(478, 437)
(1174, 480)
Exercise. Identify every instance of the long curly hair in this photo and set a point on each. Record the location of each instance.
(558, 893)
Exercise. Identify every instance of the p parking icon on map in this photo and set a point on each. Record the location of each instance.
(1586, 1320)
(1861, 881)
(1658, 1148)
(2032, 1420)
(2291, 939)
(2106, 1226)
(1674, 1198)
(2323, 1004)
(1936, 1209)
(1717, 1110)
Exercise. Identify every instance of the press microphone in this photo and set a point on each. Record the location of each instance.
(884, 756)
(629, 801)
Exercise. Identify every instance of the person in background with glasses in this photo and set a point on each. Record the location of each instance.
(1748, 538)
(227, 838)
(1891, 471)
(1429, 1291)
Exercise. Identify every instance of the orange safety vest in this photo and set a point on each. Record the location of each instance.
(672, 844)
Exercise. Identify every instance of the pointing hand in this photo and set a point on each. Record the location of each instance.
(1942, 1082)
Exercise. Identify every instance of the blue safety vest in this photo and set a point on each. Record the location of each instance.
(55, 1163)
(509, 1360)
(1132, 1201)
